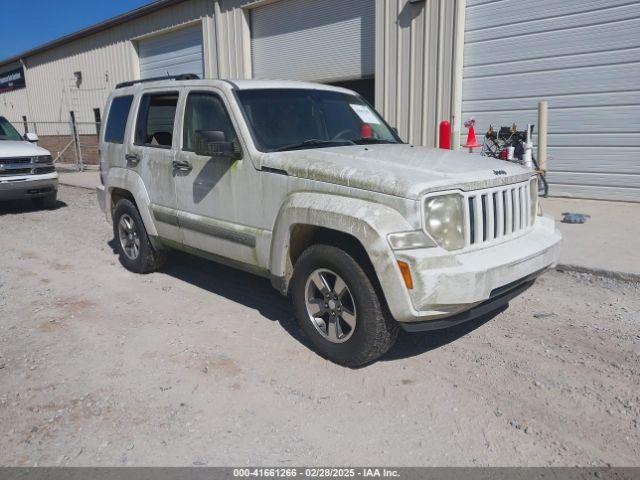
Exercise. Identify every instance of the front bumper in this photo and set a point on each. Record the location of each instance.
(498, 302)
(448, 284)
(31, 186)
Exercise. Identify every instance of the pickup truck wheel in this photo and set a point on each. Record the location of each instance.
(338, 308)
(133, 245)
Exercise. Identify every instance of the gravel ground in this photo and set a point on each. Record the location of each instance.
(203, 365)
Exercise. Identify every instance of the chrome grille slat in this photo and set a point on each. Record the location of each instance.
(516, 209)
(523, 208)
(468, 224)
(479, 223)
(500, 214)
(491, 225)
(508, 219)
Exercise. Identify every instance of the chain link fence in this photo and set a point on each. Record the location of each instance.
(74, 143)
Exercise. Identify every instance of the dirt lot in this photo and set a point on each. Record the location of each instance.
(203, 365)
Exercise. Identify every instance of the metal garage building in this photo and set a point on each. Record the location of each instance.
(419, 61)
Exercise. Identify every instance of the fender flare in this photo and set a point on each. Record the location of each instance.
(130, 181)
(368, 222)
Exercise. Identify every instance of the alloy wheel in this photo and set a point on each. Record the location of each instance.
(129, 239)
(330, 305)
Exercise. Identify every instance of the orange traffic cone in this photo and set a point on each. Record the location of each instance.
(472, 141)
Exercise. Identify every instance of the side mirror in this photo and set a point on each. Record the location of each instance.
(31, 137)
(213, 143)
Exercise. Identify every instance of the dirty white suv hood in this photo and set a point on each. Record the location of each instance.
(400, 170)
(14, 148)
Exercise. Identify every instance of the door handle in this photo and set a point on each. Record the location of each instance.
(132, 158)
(183, 166)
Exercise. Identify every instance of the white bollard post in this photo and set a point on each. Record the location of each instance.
(542, 135)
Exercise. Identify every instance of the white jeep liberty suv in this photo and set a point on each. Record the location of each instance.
(307, 185)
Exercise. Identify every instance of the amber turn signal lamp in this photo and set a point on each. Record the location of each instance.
(406, 274)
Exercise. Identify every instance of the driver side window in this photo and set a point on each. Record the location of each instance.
(205, 112)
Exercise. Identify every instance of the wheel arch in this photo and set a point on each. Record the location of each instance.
(358, 226)
(124, 183)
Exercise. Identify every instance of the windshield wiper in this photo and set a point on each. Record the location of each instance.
(314, 142)
(367, 140)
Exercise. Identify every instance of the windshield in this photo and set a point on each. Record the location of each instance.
(292, 119)
(7, 132)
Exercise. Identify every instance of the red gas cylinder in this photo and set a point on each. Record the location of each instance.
(445, 135)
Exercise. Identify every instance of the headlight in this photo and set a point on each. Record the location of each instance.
(533, 200)
(444, 220)
(44, 159)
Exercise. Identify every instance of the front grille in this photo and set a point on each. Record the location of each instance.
(6, 171)
(497, 213)
(15, 160)
(15, 171)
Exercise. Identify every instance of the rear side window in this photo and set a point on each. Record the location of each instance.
(157, 113)
(117, 121)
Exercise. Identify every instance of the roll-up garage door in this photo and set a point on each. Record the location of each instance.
(326, 40)
(173, 53)
(584, 58)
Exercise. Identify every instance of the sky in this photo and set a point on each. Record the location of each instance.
(25, 24)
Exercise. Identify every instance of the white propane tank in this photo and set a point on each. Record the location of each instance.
(527, 159)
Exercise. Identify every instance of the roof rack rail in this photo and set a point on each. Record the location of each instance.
(182, 76)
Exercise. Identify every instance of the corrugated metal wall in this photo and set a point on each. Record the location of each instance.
(584, 58)
(233, 38)
(415, 65)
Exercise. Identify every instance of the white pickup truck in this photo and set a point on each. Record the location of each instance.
(26, 170)
(307, 185)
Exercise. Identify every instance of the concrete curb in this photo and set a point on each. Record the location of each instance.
(623, 276)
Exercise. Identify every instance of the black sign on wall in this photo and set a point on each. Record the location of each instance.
(12, 80)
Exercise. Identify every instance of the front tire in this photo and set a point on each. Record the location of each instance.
(338, 309)
(134, 247)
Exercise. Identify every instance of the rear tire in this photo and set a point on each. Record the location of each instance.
(346, 321)
(134, 247)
